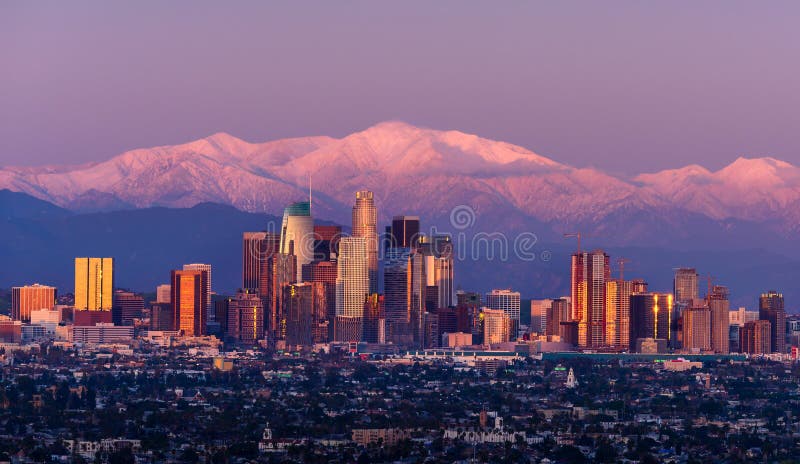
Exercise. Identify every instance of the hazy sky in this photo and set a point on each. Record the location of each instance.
(625, 86)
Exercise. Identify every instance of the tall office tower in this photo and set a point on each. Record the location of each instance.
(472, 299)
(325, 273)
(696, 326)
(163, 293)
(326, 242)
(685, 285)
(590, 271)
(770, 308)
(305, 307)
(94, 283)
(755, 337)
(365, 225)
(297, 233)
(557, 312)
(127, 306)
(207, 268)
(651, 315)
(404, 292)
(618, 312)
(31, 298)
(374, 319)
(189, 301)
(257, 247)
(405, 232)
(352, 286)
(540, 310)
(719, 306)
(509, 302)
(245, 317)
(161, 317)
(438, 253)
(497, 326)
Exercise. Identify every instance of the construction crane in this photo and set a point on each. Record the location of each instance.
(575, 235)
(621, 263)
(710, 279)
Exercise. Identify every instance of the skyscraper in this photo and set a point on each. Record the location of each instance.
(755, 337)
(719, 306)
(189, 301)
(31, 298)
(297, 234)
(365, 225)
(497, 326)
(207, 268)
(374, 319)
(306, 322)
(696, 320)
(651, 317)
(405, 231)
(618, 312)
(245, 317)
(590, 271)
(352, 285)
(325, 273)
(438, 253)
(404, 292)
(770, 308)
(127, 307)
(557, 312)
(94, 283)
(326, 242)
(685, 285)
(509, 302)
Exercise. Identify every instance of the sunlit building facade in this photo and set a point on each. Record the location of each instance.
(650, 318)
(30, 298)
(189, 301)
(297, 234)
(365, 225)
(589, 273)
(770, 308)
(94, 283)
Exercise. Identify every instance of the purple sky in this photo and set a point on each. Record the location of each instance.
(625, 86)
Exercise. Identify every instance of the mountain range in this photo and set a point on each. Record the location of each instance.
(429, 172)
(172, 204)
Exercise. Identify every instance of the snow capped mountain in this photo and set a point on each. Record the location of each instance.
(422, 171)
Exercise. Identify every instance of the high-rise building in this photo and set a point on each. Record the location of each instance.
(207, 268)
(326, 242)
(297, 234)
(305, 306)
(189, 301)
(497, 326)
(257, 247)
(696, 319)
(404, 292)
(509, 302)
(31, 298)
(770, 308)
(540, 310)
(94, 283)
(685, 285)
(161, 317)
(127, 307)
(245, 317)
(639, 286)
(755, 337)
(719, 306)
(651, 317)
(405, 232)
(325, 273)
(365, 225)
(352, 287)
(472, 299)
(163, 293)
(618, 312)
(374, 319)
(590, 271)
(267, 270)
(438, 253)
(557, 312)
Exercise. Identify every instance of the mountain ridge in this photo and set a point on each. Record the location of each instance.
(416, 170)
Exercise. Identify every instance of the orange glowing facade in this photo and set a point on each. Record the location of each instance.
(651, 317)
(94, 283)
(31, 298)
(589, 274)
(189, 300)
